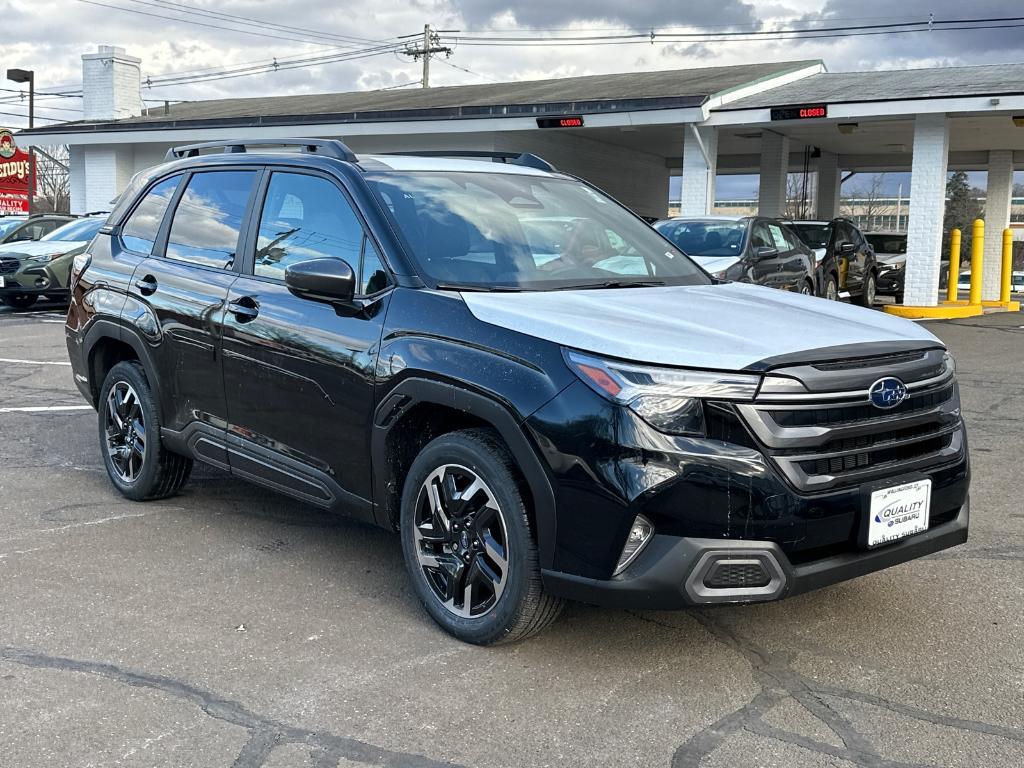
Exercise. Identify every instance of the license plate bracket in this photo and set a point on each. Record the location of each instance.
(893, 510)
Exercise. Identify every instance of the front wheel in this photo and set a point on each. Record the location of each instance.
(831, 291)
(870, 289)
(129, 425)
(807, 289)
(467, 541)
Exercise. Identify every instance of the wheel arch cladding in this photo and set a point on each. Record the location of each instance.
(107, 344)
(418, 410)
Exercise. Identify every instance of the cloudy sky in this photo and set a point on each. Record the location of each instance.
(206, 37)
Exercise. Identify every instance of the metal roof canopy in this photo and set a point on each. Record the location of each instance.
(592, 94)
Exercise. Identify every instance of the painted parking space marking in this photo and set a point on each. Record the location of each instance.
(33, 362)
(46, 408)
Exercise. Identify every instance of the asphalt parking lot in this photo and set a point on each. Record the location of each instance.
(231, 627)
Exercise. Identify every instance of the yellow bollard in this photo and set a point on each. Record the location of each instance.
(1007, 267)
(954, 265)
(977, 256)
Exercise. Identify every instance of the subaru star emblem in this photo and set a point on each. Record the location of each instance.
(887, 393)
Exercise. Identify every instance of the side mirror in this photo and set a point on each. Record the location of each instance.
(763, 252)
(845, 249)
(329, 280)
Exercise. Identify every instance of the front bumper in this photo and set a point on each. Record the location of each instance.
(668, 573)
(890, 282)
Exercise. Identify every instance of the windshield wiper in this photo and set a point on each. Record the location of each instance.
(481, 288)
(613, 284)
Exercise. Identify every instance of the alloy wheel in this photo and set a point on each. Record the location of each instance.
(461, 541)
(831, 291)
(869, 291)
(805, 289)
(126, 431)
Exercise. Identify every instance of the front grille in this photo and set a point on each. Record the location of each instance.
(727, 575)
(9, 266)
(837, 415)
(830, 440)
(871, 362)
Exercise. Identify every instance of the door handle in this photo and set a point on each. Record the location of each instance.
(244, 309)
(147, 285)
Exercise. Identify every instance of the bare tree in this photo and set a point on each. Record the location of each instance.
(798, 204)
(53, 181)
(865, 203)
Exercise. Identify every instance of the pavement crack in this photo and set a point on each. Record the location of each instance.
(265, 733)
(773, 673)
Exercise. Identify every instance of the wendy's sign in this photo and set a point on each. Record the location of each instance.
(15, 175)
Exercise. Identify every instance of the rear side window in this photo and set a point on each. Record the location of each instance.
(208, 218)
(139, 231)
(305, 217)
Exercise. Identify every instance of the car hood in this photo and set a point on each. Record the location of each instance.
(892, 259)
(714, 264)
(41, 247)
(729, 326)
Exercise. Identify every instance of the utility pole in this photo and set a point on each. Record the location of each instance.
(431, 45)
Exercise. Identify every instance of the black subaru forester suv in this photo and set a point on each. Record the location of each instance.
(542, 395)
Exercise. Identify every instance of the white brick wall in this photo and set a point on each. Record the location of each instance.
(105, 170)
(827, 183)
(697, 190)
(110, 84)
(997, 218)
(76, 166)
(927, 205)
(771, 196)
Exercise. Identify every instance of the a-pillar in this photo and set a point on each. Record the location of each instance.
(997, 218)
(700, 164)
(829, 179)
(927, 206)
(771, 196)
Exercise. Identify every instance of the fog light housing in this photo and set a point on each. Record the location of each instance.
(639, 535)
(42, 282)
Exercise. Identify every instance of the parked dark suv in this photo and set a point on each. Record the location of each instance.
(543, 396)
(748, 249)
(845, 263)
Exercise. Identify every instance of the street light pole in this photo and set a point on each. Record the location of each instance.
(28, 76)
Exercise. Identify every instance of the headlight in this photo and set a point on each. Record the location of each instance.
(668, 399)
(720, 275)
(43, 257)
(949, 362)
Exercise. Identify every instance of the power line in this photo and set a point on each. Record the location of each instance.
(202, 24)
(431, 44)
(467, 71)
(251, 21)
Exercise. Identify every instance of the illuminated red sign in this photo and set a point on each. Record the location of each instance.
(15, 175)
(574, 121)
(805, 112)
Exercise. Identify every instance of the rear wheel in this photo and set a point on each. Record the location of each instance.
(807, 289)
(831, 291)
(868, 292)
(467, 541)
(20, 300)
(129, 426)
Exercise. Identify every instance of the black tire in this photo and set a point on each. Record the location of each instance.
(807, 288)
(831, 289)
(522, 608)
(869, 291)
(153, 472)
(20, 300)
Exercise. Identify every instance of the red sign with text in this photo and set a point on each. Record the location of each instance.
(15, 175)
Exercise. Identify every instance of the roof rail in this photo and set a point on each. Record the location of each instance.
(512, 158)
(326, 147)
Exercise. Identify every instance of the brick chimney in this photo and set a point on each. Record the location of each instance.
(111, 84)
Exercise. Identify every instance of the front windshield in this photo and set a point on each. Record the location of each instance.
(814, 235)
(525, 232)
(82, 229)
(705, 237)
(888, 243)
(6, 225)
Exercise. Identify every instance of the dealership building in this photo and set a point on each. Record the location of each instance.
(627, 133)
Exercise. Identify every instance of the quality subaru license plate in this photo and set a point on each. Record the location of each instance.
(899, 511)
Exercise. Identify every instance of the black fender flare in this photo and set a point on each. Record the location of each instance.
(416, 391)
(109, 329)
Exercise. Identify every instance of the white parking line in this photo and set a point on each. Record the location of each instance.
(45, 408)
(33, 362)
